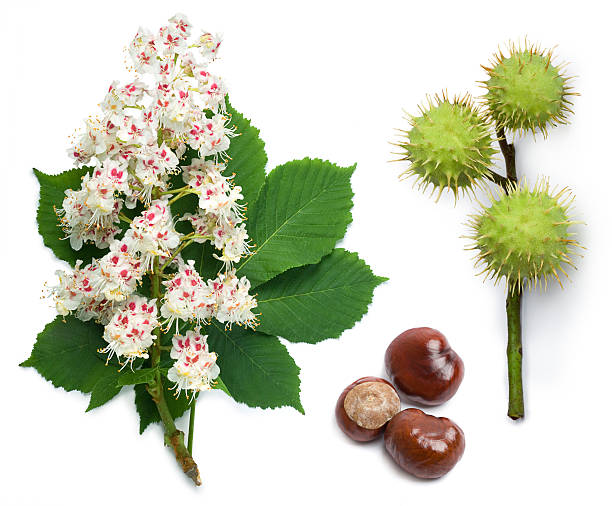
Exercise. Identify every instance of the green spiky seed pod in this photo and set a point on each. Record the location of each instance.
(449, 145)
(524, 235)
(525, 91)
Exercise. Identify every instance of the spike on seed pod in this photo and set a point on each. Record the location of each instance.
(524, 236)
(526, 91)
(449, 145)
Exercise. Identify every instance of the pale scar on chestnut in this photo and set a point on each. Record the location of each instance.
(371, 404)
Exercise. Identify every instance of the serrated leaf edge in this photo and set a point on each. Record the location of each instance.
(298, 406)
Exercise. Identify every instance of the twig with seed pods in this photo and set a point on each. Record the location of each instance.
(524, 236)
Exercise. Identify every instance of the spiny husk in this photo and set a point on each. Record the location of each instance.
(524, 236)
(526, 90)
(449, 145)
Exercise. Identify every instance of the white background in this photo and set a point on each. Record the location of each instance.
(325, 79)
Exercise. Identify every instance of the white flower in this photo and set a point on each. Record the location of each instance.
(112, 104)
(170, 41)
(112, 174)
(177, 108)
(119, 97)
(120, 272)
(215, 192)
(211, 88)
(210, 136)
(143, 51)
(97, 140)
(153, 165)
(232, 241)
(132, 93)
(180, 25)
(187, 297)
(195, 367)
(76, 293)
(220, 214)
(66, 296)
(209, 45)
(100, 200)
(152, 234)
(105, 179)
(90, 215)
(129, 333)
(133, 130)
(234, 304)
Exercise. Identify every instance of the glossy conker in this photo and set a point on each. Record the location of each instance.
(365, 406)
(423, 445)
(423, 366)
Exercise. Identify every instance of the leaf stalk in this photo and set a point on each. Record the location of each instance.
(191, 425)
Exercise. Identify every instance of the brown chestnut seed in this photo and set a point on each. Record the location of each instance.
(423, 445)
(365, 406)
(423, 366)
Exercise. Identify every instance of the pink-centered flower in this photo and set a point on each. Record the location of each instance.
(129, 333)
(234, 303)
(120, 272)
(187, 297)
(195, 367)
(152, 235)
(78, 293)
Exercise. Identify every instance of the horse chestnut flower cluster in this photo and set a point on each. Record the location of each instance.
(425, 370)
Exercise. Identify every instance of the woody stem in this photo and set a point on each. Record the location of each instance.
(516, 408)
(172, 436)
(509, 156)
(514, 351)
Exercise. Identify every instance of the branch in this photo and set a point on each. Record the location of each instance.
(516, 407)
(181, 195)
(178, 250)
(172, 436)
(509, 155)
(514, 351)
(178, 190)
(497, 179)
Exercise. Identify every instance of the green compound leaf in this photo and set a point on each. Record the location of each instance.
(247, 156)
(257, 369)
(303, 209)
(317, 302)
(219, 385)
(146, 406)
(142, 376)
(104, 390)
(52, 195)
(207, 266)
(65, 353)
